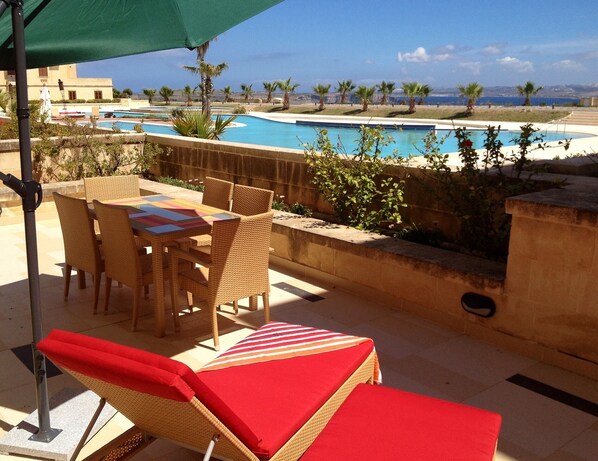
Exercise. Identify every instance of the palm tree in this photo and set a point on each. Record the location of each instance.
(228, 93)
(528, 90)
(150, 93)
(321, 91)
(287, 87)
(201, 56)
(247, 91)
(210, 71)
(188, 92)
(424, 92)
(345, 87)
(472, 92)
(386, 88)
(126, 93)
(270, 88)
(206, 73)
(411, 90)
(166, 93)
(365, 93)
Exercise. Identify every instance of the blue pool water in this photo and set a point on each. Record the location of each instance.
(255, 130)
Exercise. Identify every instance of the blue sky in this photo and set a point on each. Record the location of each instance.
(441, 43)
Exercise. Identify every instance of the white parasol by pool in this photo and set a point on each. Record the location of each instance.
(45, 106)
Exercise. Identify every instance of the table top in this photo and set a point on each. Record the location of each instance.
(161, 215)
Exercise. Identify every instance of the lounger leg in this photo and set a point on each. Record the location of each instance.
(211, 447)
(93, 420)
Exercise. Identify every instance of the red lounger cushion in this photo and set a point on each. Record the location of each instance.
(384, 424)
(274, 399)
(263, 404)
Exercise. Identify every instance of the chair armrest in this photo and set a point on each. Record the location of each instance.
(197, 257)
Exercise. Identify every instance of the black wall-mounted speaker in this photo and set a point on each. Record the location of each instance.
(477, 304)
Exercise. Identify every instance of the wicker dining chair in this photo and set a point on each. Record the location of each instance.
(217, 193)
(81, 249)
(123, 262)
(236, 268)
(111, 187)
(249, 201)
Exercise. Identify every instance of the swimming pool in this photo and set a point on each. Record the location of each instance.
(256, 130)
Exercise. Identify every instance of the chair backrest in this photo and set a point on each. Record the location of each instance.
(111, 187)
(249, 201)
(240, 254)
(80, 244)
(217, 193)
(159, 395)
(121, 256)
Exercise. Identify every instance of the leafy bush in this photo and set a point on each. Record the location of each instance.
(354, 184)
(82, 151)
(477, 190)
(239, 110)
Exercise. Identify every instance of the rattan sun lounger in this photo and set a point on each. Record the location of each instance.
(269, 410)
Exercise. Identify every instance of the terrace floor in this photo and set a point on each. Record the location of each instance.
(553, 415)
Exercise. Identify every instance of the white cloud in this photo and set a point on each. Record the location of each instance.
(420, 54)
(567, 64)
(473, 67)
(493, 49)
(369, 61)
(516, 64)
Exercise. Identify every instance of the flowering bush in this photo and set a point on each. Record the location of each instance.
(477, 190)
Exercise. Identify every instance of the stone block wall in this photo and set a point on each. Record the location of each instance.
(551, 286)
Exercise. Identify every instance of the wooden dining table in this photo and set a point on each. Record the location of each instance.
(160, 220)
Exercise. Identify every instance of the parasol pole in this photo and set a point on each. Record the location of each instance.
(31, 193)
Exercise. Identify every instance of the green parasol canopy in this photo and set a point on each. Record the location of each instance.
(72, 31)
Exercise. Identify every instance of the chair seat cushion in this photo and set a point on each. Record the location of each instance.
(384, 424)
(274, 399)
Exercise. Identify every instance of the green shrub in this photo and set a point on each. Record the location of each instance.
(354, 184)
(82, 151)
(296, 208)
(476, 191)
(239, 110)
(180, 183)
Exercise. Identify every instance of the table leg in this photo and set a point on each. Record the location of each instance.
(157, 255)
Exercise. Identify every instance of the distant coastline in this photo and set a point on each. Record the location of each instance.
(494, 101)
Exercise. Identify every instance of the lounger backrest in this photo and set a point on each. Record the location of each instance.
(158, 394)
(121, 365)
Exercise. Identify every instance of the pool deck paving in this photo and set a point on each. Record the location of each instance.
(548, 413)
